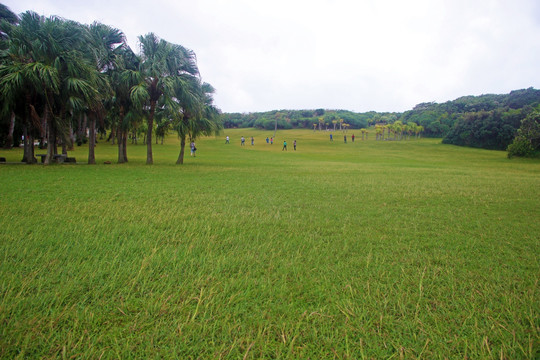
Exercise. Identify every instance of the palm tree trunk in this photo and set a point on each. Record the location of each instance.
(180, 160)
(124, 148)
(50, 145)
(114, 134)
(9, 139)
(51, 140)
(44, 128)
(92, 140)
(149, 158)
(120, 136)
(71, 136)
(25, 144)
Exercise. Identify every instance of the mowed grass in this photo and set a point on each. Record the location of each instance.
(365, 250)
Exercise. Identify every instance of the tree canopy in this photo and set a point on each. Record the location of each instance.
(62, 81)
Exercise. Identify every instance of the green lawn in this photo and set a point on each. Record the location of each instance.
(373, 249)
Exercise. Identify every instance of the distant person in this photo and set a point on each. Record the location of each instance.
(352, 137)
(252, 140)
(271, 141)
(227, 140)
(193, 148)
(267, 140)
(345, 139)
(331, 138)
(242, 141)
(284, 145)
(294, 145)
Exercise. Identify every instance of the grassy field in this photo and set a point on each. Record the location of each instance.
(365, 250)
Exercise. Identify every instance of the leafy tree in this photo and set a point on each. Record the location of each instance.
(527, 141)
(484, 129)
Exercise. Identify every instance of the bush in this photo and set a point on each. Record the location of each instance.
(527, 141)
(520, 147)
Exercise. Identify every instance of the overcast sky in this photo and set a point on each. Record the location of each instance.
(382, 55)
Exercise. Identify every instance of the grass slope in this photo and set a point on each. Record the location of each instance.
(372, 249)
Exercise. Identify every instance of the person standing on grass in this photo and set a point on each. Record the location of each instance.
(242, 141)
(227, 140)
(284, 145)
(267, 140)
(271, 141)
(352, 137)
(252, 141)
(294, 145)
(193, 148)
(345, 139)
(331, 138)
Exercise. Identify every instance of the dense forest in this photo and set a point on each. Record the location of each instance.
(486, 121)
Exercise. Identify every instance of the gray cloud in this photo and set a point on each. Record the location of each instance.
(383, 55)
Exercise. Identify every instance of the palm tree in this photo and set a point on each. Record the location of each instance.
(199, 116)
(397, 127)
(378, 132)
(105, 43)
(47, 70)
(108, 53)
(8, 15)
(6, 112)
(19, 85)
(79, 81)
(122, 79)
(161, 65)
(418, 131)
(364, 132)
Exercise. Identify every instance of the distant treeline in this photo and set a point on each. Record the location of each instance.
(320, 118)
(487, 121)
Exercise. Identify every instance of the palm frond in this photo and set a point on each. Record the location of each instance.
(139, 94)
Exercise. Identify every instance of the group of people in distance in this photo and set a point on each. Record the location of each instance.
(344, 138)
(268, 141)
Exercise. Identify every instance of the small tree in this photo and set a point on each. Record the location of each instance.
(527, 141)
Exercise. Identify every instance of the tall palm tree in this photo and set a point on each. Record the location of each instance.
(6, 111)
(160, 73)
(105, 44)
(190, 98)
(122, 80)
(18, 85)
(78, 79)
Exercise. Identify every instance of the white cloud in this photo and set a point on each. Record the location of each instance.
(385, 55)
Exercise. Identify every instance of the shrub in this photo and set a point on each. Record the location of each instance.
(527, 141)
